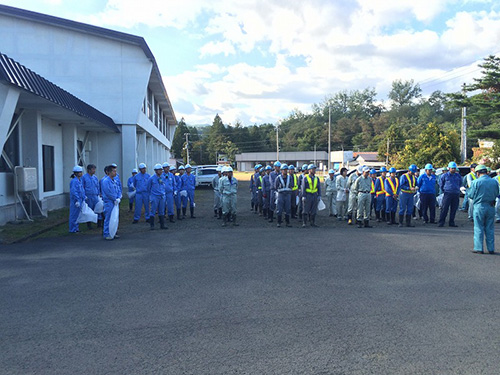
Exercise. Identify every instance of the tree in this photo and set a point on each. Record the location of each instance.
(179, 140)
(404, 93)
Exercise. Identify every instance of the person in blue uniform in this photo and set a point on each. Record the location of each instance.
(295, 190)
(302, 175)
(111, 192)
(140, 183)
(311, 193)
(169, 191)
(258, 188)
(156, 191)
(380, 195)
(179, 191)
(272, 198)
(408, 188)
(188, 184)
(283, 186)
(266, 191)
(450, 184)
(131, 188)
(426, 184)
(118, 181)
(253, 187)
(391, 185)
(91, 186)
(483, 192)
(76, 198)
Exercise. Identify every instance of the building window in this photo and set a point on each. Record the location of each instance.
(11, 148)
(48, 168)
(150, 105)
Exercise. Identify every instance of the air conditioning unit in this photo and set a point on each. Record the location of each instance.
(27, 179)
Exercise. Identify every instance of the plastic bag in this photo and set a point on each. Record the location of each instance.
(86, 215)
(131, 194)
(99, 206)
(184, 193)
(113, 220)
(439, 200)
(297, 200)
(341, 195)
(416, 200)
(321, 205)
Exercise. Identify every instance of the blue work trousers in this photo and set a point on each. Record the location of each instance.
(190, 196)
(484, 225)
(391, 204)
(108, 207)
(265, 200)
(450, 202)
(74, 212)
(142, 199)
(428, 202)
(284, 203)
(406, 203)
(157, 205)
(380, 203)
(169, 202)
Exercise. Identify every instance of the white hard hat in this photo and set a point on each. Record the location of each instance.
(134, 170)
(157, 166)
(77, 169)
(366, 169)
(229, 169)
(142, 165)
(187, 166)
(219, 169)
(164, 165)
(331, 171)
(360, 168)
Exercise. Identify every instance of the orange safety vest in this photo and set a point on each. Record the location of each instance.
(393, 188)
(411, 183)
(313, 187)
(382, 191)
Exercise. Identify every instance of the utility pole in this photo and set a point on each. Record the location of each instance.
(187, 146)
(387, 153)
(277, 142)
(329, 136)
(463, 138)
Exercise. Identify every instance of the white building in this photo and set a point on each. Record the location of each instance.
(247, 160)
(72, 93)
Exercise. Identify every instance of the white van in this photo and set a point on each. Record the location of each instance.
(205, 174)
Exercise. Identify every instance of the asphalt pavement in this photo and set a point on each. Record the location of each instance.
(255, 299)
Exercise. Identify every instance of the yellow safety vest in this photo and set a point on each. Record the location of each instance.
(411, 183)
(393, 188)
(260, 179)
(372, 191)
(295, 185)
(314, 188)
(382, 191)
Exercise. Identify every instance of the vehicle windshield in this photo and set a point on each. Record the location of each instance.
(206, 171)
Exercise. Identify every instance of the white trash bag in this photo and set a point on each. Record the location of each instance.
(86, 214)
(439, 200)
(297, 200)
(131, 194)
(184, 193)
(321, 205)
(416, 200)
(113, 220)
(99, 206)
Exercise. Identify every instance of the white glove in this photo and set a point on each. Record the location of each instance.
(117, 202)
(77, 204)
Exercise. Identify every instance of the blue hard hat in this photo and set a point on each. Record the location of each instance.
(277, 164)
(392, 170)
(304, 167)
(311, 166)
(331, 171)
(291, 166)
(452, 164)
(412, 168)
(284, 166)
(383, 169)
(373, 171)
(429, 166)
(268, 168)
(257, 166)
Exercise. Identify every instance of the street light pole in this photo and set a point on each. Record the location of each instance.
(277, 142)
(463, 143)
(329, 136)
(187, 146)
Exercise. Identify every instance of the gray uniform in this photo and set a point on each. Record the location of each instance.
(310, 199)
(342, 196)
(331, 194)
(361, 188)
(353, 198)
(217, 197)
(228, 189)
(284, 187)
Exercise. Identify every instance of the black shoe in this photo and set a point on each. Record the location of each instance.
(477, 252)
(454, 225)
(135, 221)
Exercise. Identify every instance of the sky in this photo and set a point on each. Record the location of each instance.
(256, 61)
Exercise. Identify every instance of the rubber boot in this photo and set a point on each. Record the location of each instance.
(152, 222)
(304, 220)
(99, 223)
(252, 206)
(271, 216)
(191, 210)
(179, 214)
(171, 218)
(367, 224)
(408, 221)
(220, 214)
(300, 215)
(388, 216)
(377, 216)
(360, 223)
(162, 222)
(393, 218)
(184, 212)
(287, 220)
(349, 219)
(130, 206)
(401, 217)
(235, 223)
(383, 215)
(215, 213)
(264, 213)
(225, 219)
(279, 221)
(313, 221)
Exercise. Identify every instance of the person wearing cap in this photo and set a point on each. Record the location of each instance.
(331, 193)
(471, 176)
(426, 184)
(311, 193)
(353, 198)
(295, 190)
(169, 179)
(484, 191)
(111, 193)
(76, 198)
(91, 185)
(391, 186)
(228, 188)
(362, 187)
(380, 195)
(304, 173)
(450, 184)
(342, 194)
(272, 199)
(177, 189)
(157, 191)
(217, 197)
(131, 188)
(140, 183)
(408, 188)
(284, 184)
(266, 191)
(188, 185)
